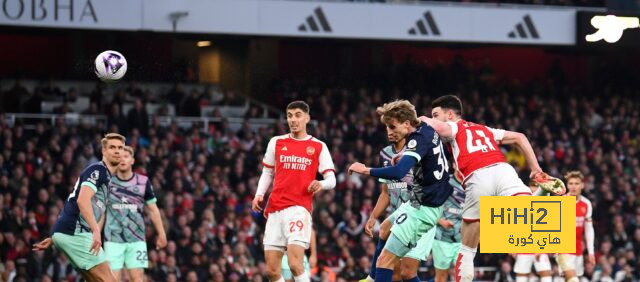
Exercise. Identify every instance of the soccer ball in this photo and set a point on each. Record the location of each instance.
(110, 66)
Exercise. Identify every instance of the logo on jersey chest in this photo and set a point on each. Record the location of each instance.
(412, 144)
(294, 162)
(125, 205)
(311, 150)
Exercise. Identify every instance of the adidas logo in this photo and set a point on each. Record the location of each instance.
(311, 24)
(284, 148)
(422, 24)
(523, 27)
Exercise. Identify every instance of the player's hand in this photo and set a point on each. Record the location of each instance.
(42, 245)
(314, 186)
(368, 227)
(447, 224)
(396, 159)
(96, 244)
(537, 174)
(357, 168)
(255, 204)
(313, 261)
(161, 242)
(591, 259)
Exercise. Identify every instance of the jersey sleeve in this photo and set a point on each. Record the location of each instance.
(149, 196)
(498, 134)
(325, 160)
(417, 146)
(589, 211)
(269, 159)
(94, 177)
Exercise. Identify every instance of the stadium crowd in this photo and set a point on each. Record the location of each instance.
(205, 181)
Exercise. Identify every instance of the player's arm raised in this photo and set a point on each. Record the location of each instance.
(381, 205)
(521, 142)
(413, 154)
(444, 129)
(395, 172)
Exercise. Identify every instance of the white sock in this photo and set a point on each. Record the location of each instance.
(546, 279)
(522, 278)
(301, 278)
(465, 270)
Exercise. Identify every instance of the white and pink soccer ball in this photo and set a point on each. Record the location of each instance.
(110, 66)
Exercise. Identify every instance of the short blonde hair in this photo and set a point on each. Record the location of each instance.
(574, 174)
(400, 110)
(111, 136)
(129, 149)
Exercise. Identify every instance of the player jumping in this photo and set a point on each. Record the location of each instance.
(77, 232)
(125, 244)
(394, 193)
(294, 159)
(484, 170)
(425, 155)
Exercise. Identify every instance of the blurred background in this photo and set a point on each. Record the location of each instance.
(206, 87)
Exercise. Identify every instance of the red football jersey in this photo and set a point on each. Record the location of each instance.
(296, 163)
(583, 215)
(474, 146)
